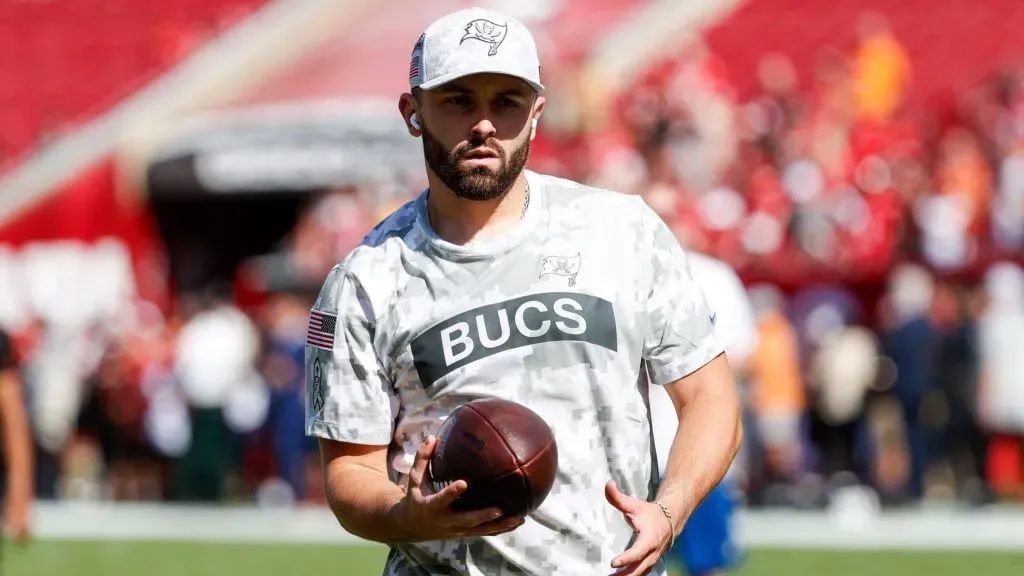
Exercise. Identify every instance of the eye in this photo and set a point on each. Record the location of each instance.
(460, 100)
(508, 103)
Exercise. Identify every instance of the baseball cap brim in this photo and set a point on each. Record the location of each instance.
(462, 73)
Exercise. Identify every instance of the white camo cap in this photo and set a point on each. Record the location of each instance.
(474, 41)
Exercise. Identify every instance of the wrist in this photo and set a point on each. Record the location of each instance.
(675, 507)
(675, 524)
(400, 520)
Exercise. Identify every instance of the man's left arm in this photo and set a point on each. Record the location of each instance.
(709, 435)
(682, 353)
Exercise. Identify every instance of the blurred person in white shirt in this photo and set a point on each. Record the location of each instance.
(842, 368)
(706, 545)
(216, 350)
(215, 363)
(1007, 210)
(1001, 402)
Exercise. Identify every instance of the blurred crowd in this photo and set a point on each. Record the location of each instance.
(879, 241)
(837, 181)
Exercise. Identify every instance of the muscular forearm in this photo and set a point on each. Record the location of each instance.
(366, 503)
(705, 444)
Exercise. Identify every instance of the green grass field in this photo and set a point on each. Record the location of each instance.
(52, 558)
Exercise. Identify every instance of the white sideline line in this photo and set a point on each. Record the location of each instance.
(186, 523)
(996, 529)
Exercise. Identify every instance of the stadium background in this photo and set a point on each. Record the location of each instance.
(177, 176)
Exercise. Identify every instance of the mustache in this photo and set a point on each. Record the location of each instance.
(475, 145)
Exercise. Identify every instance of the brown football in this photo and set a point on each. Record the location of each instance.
(504, 451)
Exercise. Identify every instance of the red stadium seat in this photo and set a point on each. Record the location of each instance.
(943, 38)
(73, 59)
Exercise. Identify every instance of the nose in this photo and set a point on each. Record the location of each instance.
(483, 130)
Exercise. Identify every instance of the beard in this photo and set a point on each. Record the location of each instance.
(478, 183)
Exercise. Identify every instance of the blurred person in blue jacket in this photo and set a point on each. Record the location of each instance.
(957, 444)
(909, 341)
(284, 369)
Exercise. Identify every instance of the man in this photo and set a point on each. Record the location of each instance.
(17, 445)
(706, 545)
(500, 282)
(1000, 397)
(910, 340)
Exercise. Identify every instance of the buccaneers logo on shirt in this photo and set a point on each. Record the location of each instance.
(561, 266)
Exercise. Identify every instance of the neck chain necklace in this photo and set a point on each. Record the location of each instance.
(526, 204)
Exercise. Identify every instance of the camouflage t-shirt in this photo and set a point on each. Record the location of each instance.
(564, 314)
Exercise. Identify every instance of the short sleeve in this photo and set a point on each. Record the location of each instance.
(735, 322)
(680, 334)
(349, 397)
(744, 342)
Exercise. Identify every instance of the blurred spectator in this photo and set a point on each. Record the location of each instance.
(882, 70)
(777, 397)
(1007, 211)
(16, 465)
(58, 369)
(1001, 330)
(824, 136)
(284, 369)
(702, 140)
(910, 341)
(960, 445)
(819, 310)
(843, 369)
(963, 175)
(216, 352)
(776, 111)
(112, 414)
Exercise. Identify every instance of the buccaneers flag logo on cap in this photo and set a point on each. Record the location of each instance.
(487, 32)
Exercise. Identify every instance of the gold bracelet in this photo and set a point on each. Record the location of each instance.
(671, 524)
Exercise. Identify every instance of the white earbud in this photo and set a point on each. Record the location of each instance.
(414, 121)
(533, 129)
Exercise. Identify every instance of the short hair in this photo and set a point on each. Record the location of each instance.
(417, 93)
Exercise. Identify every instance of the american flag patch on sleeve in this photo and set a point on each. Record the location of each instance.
(320, 332)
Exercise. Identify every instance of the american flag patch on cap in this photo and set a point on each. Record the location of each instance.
(320, 332)
(417, 59)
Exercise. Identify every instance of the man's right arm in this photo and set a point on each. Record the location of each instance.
(350, 408)
(362, 497)
(368, 505)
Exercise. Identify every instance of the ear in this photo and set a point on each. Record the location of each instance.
(538, 109)
(407, 107)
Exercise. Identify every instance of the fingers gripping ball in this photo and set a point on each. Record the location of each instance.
(504, 451)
